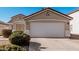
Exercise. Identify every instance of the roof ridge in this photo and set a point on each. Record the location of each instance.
(2, 22)
(18, 15)
(50, 9)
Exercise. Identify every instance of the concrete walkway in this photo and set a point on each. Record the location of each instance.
(54, 44)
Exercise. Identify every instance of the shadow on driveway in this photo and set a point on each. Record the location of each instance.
(34, 46)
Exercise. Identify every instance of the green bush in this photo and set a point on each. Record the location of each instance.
(6, 33)
(0, 33)
(12, 48)
(19, 38)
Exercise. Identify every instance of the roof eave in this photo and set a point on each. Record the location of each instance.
(67, 16)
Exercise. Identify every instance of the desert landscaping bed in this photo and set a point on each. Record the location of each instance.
(4, 42)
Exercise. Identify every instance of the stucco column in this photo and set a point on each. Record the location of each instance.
(27, 27)
(67, 29)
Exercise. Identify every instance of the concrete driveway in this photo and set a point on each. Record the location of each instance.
(54, 44)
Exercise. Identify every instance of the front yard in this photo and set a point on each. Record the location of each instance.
(49, 44)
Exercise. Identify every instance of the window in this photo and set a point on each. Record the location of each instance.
(19, 27)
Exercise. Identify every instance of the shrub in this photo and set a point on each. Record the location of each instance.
(12, 48)
(19, 38)
(0, 33)
(6, 32)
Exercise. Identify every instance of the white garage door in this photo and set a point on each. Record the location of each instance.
(47, 29)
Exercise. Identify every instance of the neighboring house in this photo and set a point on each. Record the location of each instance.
(44, 23)
(75, 22)
(3, 26)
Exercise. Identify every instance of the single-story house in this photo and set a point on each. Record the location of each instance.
(44, 23)
(74, 24)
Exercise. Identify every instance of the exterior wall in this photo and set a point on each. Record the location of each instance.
(75, 23)
(52, 17)
(67, 29)
(18, 24)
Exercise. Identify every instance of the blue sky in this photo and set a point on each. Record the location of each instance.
(7, 12)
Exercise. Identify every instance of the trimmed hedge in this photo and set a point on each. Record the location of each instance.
(19, 38)
(6, 33)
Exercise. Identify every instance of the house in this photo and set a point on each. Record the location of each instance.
(44, 23)
(75, 22)
(3, 26)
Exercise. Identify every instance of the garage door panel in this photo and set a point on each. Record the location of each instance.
(47, 29)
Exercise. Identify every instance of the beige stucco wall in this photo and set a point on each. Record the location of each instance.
(19, 22)
(13, 25)
(75, 22)
(52, 15)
